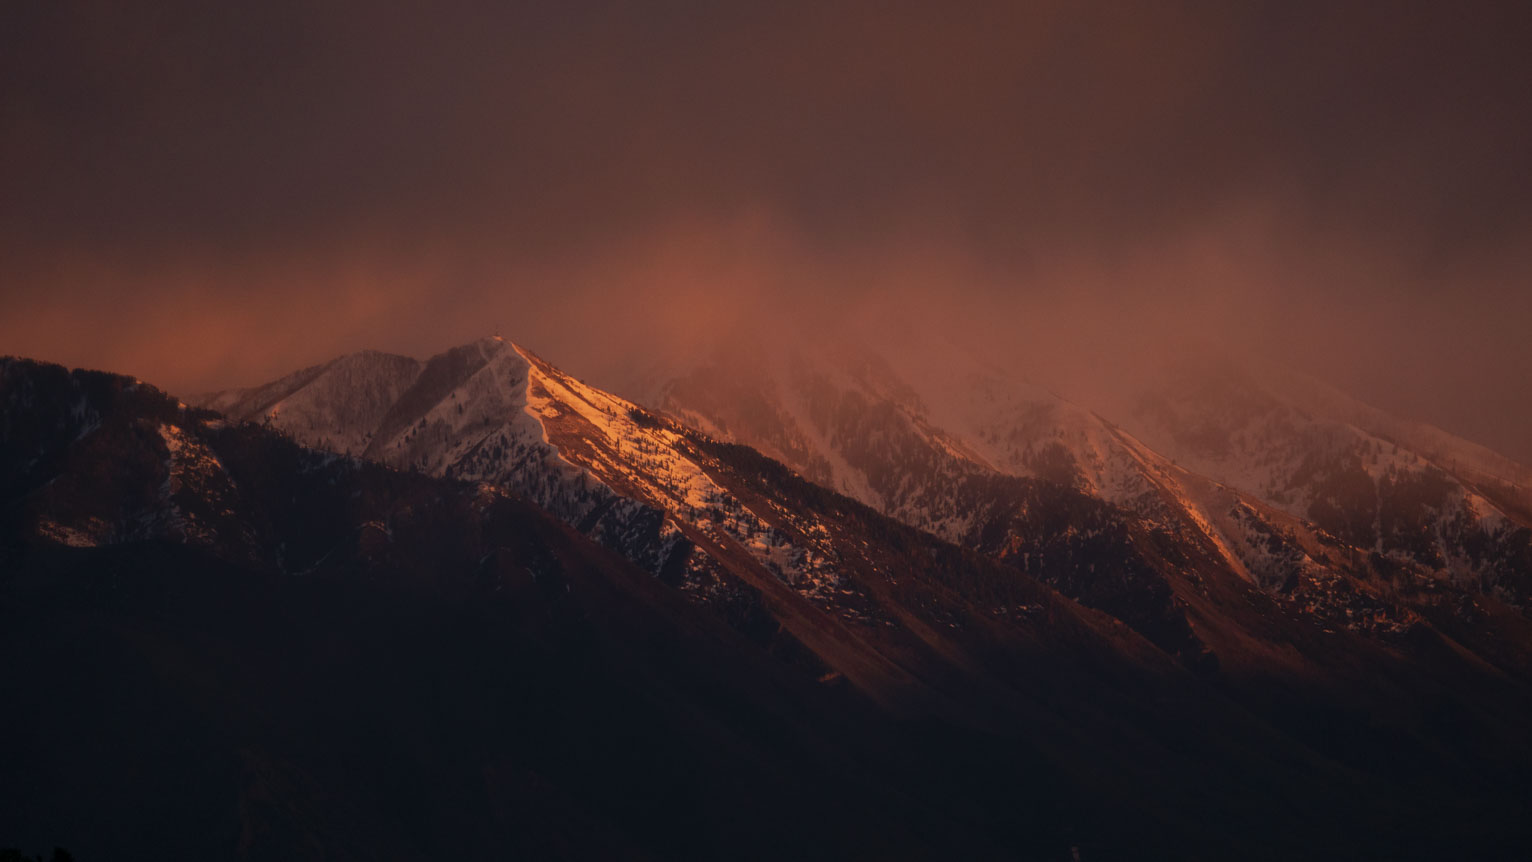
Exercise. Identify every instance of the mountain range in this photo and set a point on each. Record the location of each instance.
(823, 601)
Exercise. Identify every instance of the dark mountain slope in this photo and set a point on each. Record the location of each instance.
(230, 645)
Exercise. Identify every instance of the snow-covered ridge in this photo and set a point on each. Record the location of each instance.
(335, 406)
(1245, 475)
(1310, 452)
(1468, 460)
(494, 412)
(1249, 468)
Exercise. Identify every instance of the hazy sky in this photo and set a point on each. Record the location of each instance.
(208, 194)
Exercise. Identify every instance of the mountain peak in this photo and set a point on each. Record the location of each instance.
(490, 343)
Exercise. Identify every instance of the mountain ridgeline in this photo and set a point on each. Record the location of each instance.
(811, 605)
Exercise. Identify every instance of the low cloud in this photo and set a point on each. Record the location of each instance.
(207, 197)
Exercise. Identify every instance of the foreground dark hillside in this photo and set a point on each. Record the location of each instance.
(219, 644)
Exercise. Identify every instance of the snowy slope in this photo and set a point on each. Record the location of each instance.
(492, 412)
(1303, 454)
(894, 427)
(1319, 512)
(335, 405)
(1508, 482)
(901, 428)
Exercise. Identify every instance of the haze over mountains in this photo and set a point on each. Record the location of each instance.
(253, 190)
(963, 431)
(895, 598)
